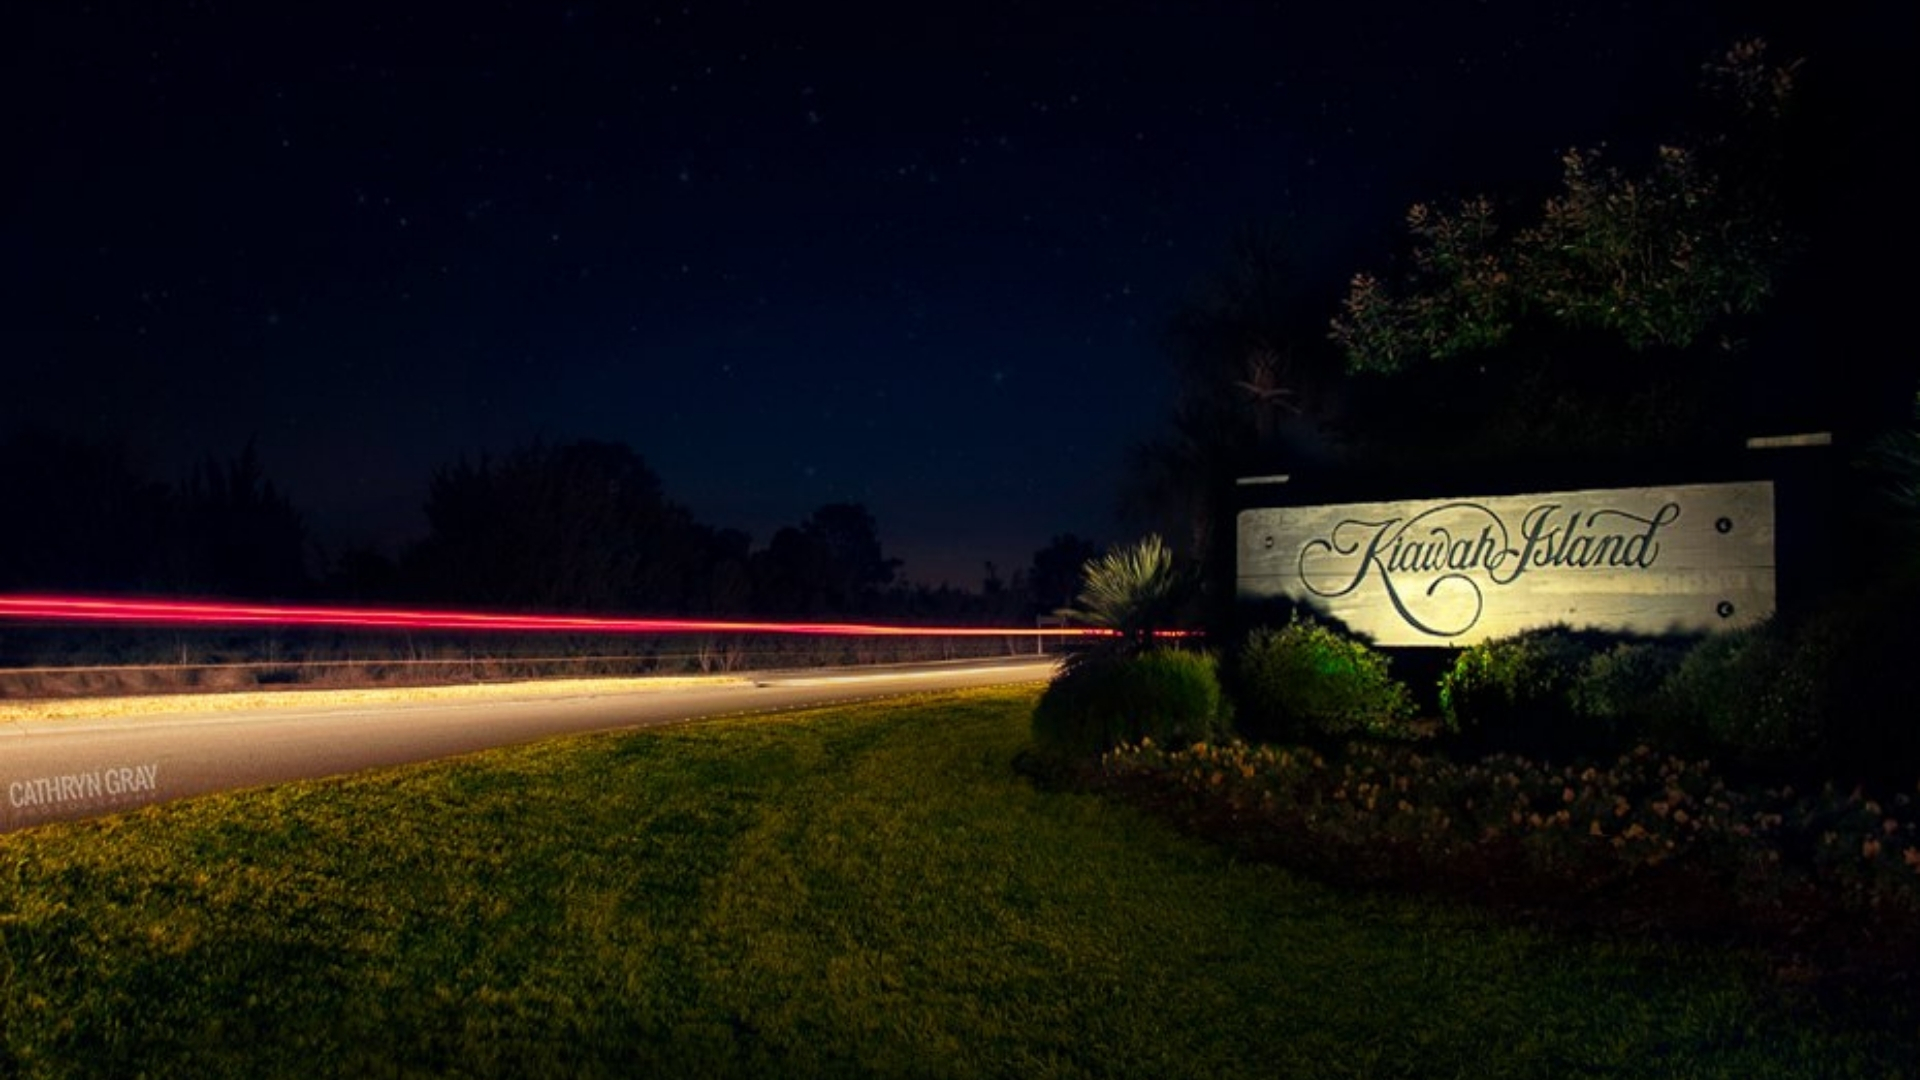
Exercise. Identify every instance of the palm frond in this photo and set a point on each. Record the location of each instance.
(1132, 590)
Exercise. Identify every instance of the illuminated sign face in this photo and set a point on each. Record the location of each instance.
(1456, 571)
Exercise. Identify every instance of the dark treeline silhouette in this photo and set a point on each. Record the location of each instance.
(82, 516)
(575, 526)
(579, 526)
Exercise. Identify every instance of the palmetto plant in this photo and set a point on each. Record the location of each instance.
(1133, 591)
(1897, 456)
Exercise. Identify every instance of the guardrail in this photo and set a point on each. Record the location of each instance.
(62, 647)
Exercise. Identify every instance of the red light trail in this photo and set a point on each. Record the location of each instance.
(215, 613)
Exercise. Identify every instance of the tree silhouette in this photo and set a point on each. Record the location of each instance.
(1614, 319)
(234, 534)
(79, 516)
(1258, 389)
(1054, 578)
(581, 525)
(831, 562)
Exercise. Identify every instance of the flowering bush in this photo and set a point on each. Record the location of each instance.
(1525, 830)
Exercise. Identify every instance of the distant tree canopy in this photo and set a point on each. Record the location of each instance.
(832, 561)
(581, 526)
(586, 526)
(80, 516)
(84, 517)
(574, 526)
(233, 533)
(1054, 577)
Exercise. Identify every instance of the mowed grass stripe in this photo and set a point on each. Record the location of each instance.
(863, 890)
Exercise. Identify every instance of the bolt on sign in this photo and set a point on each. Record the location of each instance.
(1456, 571)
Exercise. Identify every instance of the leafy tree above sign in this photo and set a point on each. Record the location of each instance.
(1658, 257)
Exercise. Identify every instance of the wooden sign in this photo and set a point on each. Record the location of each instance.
(1456, 571)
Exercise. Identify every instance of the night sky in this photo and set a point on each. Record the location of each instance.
(918, 256)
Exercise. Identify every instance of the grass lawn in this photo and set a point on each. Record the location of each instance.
(864, 890)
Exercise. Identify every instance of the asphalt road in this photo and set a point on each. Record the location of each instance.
(59, 770)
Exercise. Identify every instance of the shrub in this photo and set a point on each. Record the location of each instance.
(1306, 680)
(1850, 673)
(1739, 696)
(1617, 690)
(1169, 695)
(1515, 694)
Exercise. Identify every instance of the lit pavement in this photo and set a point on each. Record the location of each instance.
(86, 766)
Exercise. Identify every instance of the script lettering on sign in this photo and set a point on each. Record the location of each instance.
(1454, 571)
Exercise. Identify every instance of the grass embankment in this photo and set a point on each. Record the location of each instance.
(855, 891)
